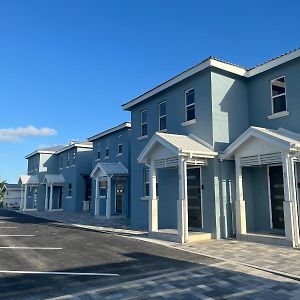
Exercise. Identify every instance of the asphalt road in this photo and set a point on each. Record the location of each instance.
(79, 251)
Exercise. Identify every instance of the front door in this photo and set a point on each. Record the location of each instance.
(194, 197)
(119, 197)
(277, 196)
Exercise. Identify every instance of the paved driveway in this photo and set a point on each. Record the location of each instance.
(121, 268)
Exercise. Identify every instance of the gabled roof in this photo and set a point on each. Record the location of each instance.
(71, 145)
(285, 139)
(48, 150)
(29, 179)
(12, 186)
(54, 179)
(108, 169)
(217, 63)
(109, 131)
(179, 145)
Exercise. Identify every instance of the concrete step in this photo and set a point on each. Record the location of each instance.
(264, 239)
(199, 236)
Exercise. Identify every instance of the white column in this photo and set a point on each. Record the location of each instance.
(153, 203)
(97, 197)
(240, 205)
(290, 201)
(22, 197)
(46, 197)
(51, 197)
(182, 207)
(108, 198)
(25, 198)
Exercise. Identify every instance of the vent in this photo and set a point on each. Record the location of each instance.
(166, 162)
(249, 161)
(261, 159)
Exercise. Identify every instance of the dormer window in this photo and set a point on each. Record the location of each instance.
(278, 94)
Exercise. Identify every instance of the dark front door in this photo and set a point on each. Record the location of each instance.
(194, 197)
(60, 195)
(119, 197)
(277, 196)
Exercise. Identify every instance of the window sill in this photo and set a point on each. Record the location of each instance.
(142, 137)
(60, 169)
(119, 154)
(190, 122)
(163, 130)
(106, 157)
(69, 197)
(67, 167)
(97, 160)
(278, 115)
(72, 166)
(102, 197)
(147, 198)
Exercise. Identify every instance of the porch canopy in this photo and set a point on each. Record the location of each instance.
(261, 146)
(167, 150)
(105, 172)
(54, 179)
(29, 180)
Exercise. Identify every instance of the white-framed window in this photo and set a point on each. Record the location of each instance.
(162, 116)
(144, 123)
(107, 152)
(98, 152)
(120, 149)
(278, 94)
(146, 182)
(74, 158)
(68, 160)
(190, 104)
(70, 189)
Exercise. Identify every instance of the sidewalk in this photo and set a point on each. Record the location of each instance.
(277, 259)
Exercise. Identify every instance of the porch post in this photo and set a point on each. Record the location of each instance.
(22, 195)
(182, 208)
(51, 197)
(96, 213)
(46, 197)
(240, 207)
(108, 198)
(290, 201)
(153, 203)
(25, 198)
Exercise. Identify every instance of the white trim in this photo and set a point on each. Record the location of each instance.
(276, 96)
(190, 122)
(145, 198)
(278, 115)
(86, 145)
(269, 196)
(140, 138)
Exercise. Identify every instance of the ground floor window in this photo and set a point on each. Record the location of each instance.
(103, 188)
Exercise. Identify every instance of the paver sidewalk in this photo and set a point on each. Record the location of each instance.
(276, 258)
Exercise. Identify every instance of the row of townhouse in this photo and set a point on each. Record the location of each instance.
(210, 153)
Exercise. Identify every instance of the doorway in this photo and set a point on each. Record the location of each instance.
(119, 197)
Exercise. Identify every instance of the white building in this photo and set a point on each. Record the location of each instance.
(12, 196)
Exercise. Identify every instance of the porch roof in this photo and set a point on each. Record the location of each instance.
(29, 179)
(282, 138)
(108, 169)
(54, 179)
(179, 145)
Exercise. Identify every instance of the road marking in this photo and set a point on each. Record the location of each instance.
(59, 273)
(2, 222)
(6, 235)
(31, 248)
(8, 227)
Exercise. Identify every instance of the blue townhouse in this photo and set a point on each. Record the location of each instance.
(58, 178)
(215, 153)
(111, 172)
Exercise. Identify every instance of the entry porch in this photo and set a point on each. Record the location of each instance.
(29, 192)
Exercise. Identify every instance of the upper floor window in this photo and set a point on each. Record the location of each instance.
(74, 158)
(98, 152)
(106, 152)
(278, 90)
(70, 189)
(163, 116)
(190, 104)
(68, 160)
(61, 164)
(144, 123)
(120, 149)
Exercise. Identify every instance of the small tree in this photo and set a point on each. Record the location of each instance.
(2, 191)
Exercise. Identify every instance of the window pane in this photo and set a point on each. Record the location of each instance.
(163, 123)
(190, 97)
(146, 175)
(144, 116)
(120, 149)
(279, 104)
(147, 189)
(144, 130)
(162, 109)
(278, 86)
(190, 113)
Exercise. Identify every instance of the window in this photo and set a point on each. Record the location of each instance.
(144, 123)
(163, 116)
(74, 158)
(98, 152)
(120, 149)
(61, 164)
(70, 189)
(278, 90)
(190, 104)
(68, 160)
(102, 188)
(107, 153)
(146, 183)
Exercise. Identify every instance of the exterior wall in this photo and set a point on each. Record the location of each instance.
(112, 141)
(260, 106)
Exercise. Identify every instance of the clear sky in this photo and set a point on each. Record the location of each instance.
(66, 66)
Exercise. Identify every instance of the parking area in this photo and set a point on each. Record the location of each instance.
(43, 259)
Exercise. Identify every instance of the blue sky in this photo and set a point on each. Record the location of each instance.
(67, 66)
